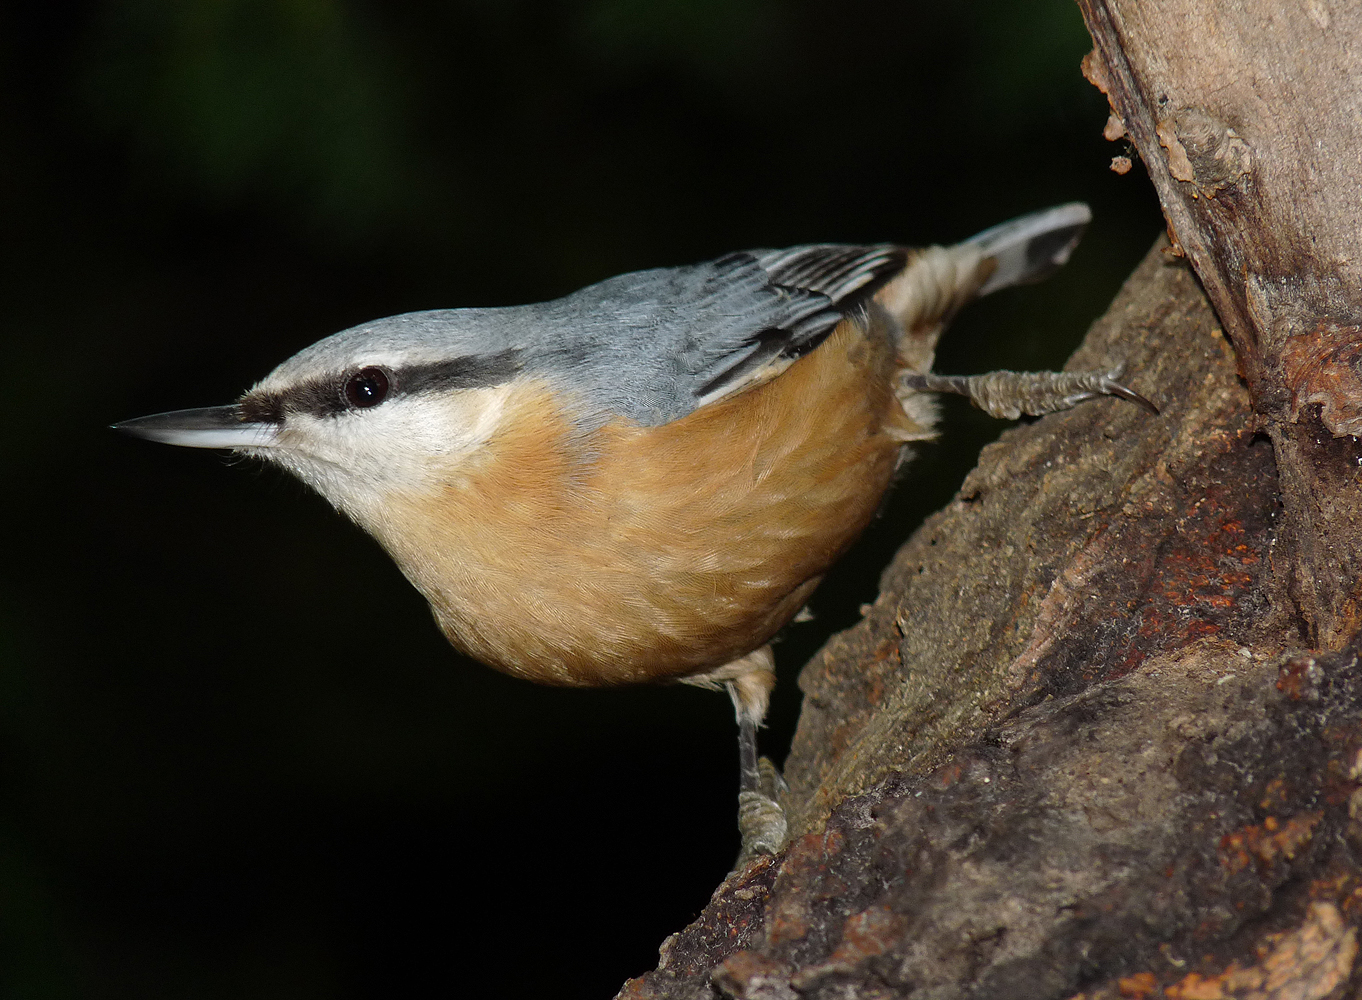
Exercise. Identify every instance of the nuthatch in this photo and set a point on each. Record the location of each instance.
(644, 480)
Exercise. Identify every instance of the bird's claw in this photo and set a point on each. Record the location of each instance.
(761, 817)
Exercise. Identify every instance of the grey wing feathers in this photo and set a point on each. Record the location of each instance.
(831, 270)
(655, 345)
(807, 290)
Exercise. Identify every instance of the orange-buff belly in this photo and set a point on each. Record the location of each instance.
(636, 553)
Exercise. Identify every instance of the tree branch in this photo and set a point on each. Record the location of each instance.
(1102, 730)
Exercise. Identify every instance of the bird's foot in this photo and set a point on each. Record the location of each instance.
(1010, 394)
(761, 817)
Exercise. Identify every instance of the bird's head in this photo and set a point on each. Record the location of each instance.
(401, 404)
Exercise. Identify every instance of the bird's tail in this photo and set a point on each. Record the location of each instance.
(938, 281)
(1030, 248)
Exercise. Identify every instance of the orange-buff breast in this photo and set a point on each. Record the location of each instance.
(645, 553)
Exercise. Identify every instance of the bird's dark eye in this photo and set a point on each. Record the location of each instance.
(366, 387)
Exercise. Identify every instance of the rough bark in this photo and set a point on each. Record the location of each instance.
(1249, 120)
(1102, 731)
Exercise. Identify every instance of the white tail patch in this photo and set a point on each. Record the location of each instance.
(1029, 248)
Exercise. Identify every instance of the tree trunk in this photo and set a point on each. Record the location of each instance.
(1102, 731)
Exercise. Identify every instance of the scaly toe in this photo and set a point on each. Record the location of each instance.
(761, 817)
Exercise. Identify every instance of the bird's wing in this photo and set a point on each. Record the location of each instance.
(655, 345)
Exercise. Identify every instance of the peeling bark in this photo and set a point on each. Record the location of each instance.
(1101, 734)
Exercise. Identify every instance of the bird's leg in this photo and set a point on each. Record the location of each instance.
(749, 776)
(1010, 394)
(761, 818)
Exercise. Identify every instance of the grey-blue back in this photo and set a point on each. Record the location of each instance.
(649, 345)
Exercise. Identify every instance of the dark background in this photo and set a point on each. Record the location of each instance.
(236, 757)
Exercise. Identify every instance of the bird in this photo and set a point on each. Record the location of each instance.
(645, 480)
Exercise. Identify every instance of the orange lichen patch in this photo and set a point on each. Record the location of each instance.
(1314, 959)
(1352, 904)
(1308, 963)
(1197, 577)
(803, 878)
(1263, 845)
(950, 773)
(1343, 888)
(1199, 580)
(1275, 795)
(867, 934)
(1197, 987)
(1165, 575)
(1298, 676)
(1324, 366)
(1121, 164)
(747, 971)
(1137, 986)
(787, 921)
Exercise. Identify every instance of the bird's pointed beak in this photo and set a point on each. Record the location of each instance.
(209, 427)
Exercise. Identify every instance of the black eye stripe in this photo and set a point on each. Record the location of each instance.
(460, 373)
(327, 396)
